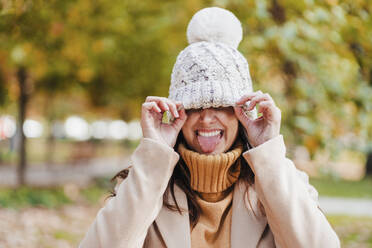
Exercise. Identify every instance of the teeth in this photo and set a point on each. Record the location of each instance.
(209, 134)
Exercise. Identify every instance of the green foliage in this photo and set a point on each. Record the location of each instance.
(341, 188)
(308, 55)
(67, 235)
(24, 197)
(93, 194)
(100, 187)
(313, 57)
(353, 231)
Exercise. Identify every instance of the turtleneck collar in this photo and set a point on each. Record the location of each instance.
(212, 173)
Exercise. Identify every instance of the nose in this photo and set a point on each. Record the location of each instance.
(207, 116)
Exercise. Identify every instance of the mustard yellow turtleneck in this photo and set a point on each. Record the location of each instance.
(212, 176)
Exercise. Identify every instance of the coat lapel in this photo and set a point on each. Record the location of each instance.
(174, 227)
(246, 228)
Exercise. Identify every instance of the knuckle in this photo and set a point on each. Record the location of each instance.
(170, 103)
(151, 98)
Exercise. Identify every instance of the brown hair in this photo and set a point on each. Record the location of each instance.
(181, 177)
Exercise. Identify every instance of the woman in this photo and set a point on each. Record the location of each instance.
(216, 176)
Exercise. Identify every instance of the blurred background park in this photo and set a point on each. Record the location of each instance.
(73, 76)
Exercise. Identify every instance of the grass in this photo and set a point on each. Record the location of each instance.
(55, 197)
(27, 197)
(58, 196)
(352, 231)
(342, 188)
(66, 235)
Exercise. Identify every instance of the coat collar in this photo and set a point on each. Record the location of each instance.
(248, 222)
(246, 227)
(174, 227)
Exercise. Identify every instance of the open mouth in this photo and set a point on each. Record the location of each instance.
(209, 133)
(209, 139)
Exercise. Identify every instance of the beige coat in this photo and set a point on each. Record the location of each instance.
(136, 216)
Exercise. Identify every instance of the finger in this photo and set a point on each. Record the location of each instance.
(151, 106)
(179, 105)
(159, 100)
(240, 113)
(163, 105)
(248, 97)
(181, 120)
(258, 99)
(173, 108)
(264, 106)
(268, 110)
(154, 98)
(268, 97)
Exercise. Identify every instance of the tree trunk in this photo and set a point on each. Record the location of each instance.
(369, 164)
(51, 141)
(50, 149)
(277, 12)
(23, 97)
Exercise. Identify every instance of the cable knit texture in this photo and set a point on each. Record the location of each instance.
(211, 72)
(209, 75)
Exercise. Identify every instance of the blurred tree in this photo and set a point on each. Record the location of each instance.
(313, 57)
(29, 47)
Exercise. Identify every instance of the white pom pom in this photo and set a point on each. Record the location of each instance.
(215, 25)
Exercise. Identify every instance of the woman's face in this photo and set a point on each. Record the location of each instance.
(211, 130)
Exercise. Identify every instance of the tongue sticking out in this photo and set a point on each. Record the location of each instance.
(208, 144)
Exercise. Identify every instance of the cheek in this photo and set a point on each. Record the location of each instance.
(232, 128)
(187, 132)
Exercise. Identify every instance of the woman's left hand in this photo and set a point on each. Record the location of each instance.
(265, 127)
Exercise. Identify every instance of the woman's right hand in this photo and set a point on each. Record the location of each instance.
(151, 120)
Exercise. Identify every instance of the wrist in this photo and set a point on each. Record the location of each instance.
(157, 139)
(264, 140)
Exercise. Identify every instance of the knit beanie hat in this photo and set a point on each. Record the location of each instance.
(211, 72)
